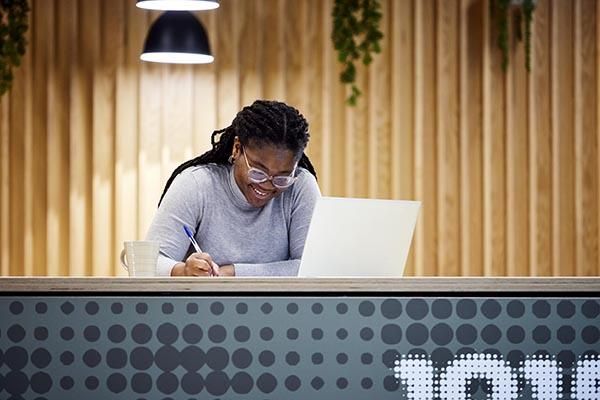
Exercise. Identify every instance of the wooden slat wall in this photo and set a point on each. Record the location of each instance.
(506, 163)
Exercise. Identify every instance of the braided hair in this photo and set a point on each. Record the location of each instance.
(262, 123)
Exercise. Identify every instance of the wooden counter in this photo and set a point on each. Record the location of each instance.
(298, 285)
(283, 338)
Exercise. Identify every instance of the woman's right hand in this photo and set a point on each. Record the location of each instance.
(197, 264)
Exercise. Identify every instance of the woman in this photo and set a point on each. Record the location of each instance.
(248, 201)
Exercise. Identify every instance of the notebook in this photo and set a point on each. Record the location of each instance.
(351, 237)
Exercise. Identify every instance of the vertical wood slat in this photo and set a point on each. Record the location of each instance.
(58, 141)
(204, 117)
(339, 153)
(379, 124)
(126, 128)
(402, 94)
(356, 136)
(426, 239)
(471, 125)
(517, 163)
(402, 110)
(356, 142)
(5, 257)
(16, 178)
(540, 161)
(150, 117)
(294, 53)
(563, 140)
(114, 50)
(89, 50)
(16, 118)
(447, 137)
(586, 152)
(340, 128)
(273, 78)
(326, 94)
(250, 51)
(494, 131)
(227, 41)
(41, 27)
(74, 151)
(177, 141)
(28, 181)
(104, 262)
(80, 147)
(313, 110)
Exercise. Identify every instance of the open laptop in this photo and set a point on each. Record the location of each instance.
(358, 237)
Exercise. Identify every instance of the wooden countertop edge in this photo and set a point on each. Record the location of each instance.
(279, 285)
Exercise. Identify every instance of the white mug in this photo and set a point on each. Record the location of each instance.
(139, 257)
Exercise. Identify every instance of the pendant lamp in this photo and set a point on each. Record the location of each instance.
(177, 37)
(178, 5)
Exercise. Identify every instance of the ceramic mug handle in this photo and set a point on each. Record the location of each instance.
(123, 262)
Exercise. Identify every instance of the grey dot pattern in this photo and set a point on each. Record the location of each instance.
(167, 348)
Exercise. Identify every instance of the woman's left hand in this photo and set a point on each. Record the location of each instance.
(227, 270)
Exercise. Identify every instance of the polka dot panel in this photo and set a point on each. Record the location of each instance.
(265, 347)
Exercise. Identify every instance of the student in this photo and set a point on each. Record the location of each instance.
(248, 201)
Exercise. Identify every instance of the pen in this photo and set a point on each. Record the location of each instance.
(190, 235)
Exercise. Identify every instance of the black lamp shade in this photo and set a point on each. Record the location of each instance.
(177, 37)
(192, 5)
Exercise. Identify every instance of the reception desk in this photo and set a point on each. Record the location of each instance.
(282, 338)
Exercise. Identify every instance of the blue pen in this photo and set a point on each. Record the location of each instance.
(190, 235)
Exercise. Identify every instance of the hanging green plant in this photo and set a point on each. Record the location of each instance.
(355, 36)
(500, 11)
(13, 27)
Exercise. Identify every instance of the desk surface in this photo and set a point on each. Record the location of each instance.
(299, 285)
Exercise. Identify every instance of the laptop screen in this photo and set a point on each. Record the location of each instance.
(358, 237)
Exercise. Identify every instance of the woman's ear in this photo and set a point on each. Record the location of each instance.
(237, 147)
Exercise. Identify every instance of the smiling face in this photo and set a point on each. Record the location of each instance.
(270, 159)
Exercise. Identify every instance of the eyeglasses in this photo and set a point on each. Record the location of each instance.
(259, 176)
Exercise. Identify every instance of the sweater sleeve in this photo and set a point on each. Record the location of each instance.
(303, 200)
(180, 206)
(278, 268)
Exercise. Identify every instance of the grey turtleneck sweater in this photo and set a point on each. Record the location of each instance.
(265, 241)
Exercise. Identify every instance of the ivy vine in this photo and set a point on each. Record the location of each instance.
(500, 11)
(355, 36)
(13, 27)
